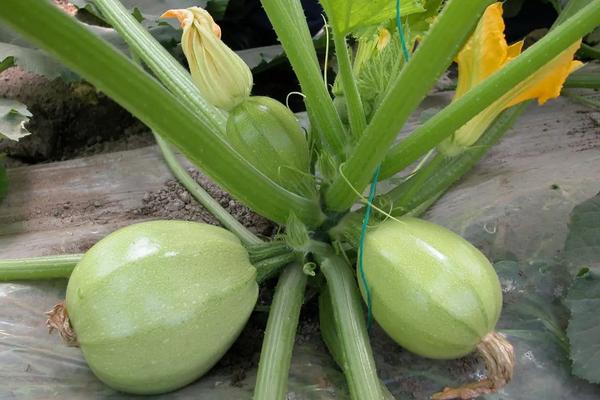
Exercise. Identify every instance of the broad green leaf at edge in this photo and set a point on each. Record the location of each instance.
(582, 250)
(584, 326)
(348, 15)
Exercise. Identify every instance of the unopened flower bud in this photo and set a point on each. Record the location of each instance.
(220, 74)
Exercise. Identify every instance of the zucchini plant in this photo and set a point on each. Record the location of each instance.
(308, 183)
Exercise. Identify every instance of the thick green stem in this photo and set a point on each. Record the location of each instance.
(589, 51)
(264, 250)
(459, 112)
(203, 197)
(356, 113)
(331, 337)
(38, 268)
(414, 185)
(582, 100)
(441, 172)
(585, 80)
(289, 22)
(278, 344)
(431, 59)
(359, 368)
(129, 85)
(269, 268)
(166, 68)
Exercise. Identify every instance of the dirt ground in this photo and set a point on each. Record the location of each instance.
(69, 120)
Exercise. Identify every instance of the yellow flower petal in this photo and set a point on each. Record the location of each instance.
(514, 49)
(548, 81)
(185, 17)
(485, 53)
(220, 74)
(383, 38)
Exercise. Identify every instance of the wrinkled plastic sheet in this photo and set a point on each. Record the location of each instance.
(36, 365)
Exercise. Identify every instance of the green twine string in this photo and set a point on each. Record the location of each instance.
(405, 51)
(361, 247)
(372, 190)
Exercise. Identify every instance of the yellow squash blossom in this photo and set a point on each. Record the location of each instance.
(485, 53)
(220, 74)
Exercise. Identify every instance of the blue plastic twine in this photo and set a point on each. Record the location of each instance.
(405, 52)
(372, 190)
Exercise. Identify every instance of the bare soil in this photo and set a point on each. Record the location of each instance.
(69, 120)
(67, 6)
(173, 201)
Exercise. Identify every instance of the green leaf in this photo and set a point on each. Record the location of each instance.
(217, 8)
(582, 248)
(137, 14)
(584, 326)
(348, 15)
(13, 116)
(6, 62)
(534, 318)
(417, 25)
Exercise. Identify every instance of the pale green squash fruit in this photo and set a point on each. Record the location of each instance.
(267, 134)
(155, 305)
(432, 291)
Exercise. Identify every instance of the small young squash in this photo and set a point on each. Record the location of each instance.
(155, 305)
(432, 291)
(267, 134)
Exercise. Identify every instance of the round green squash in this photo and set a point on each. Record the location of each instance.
(155, 305)
(432, 291)
(267, 134)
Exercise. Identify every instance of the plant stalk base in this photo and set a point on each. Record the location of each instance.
(499, 357)
(58, 319)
